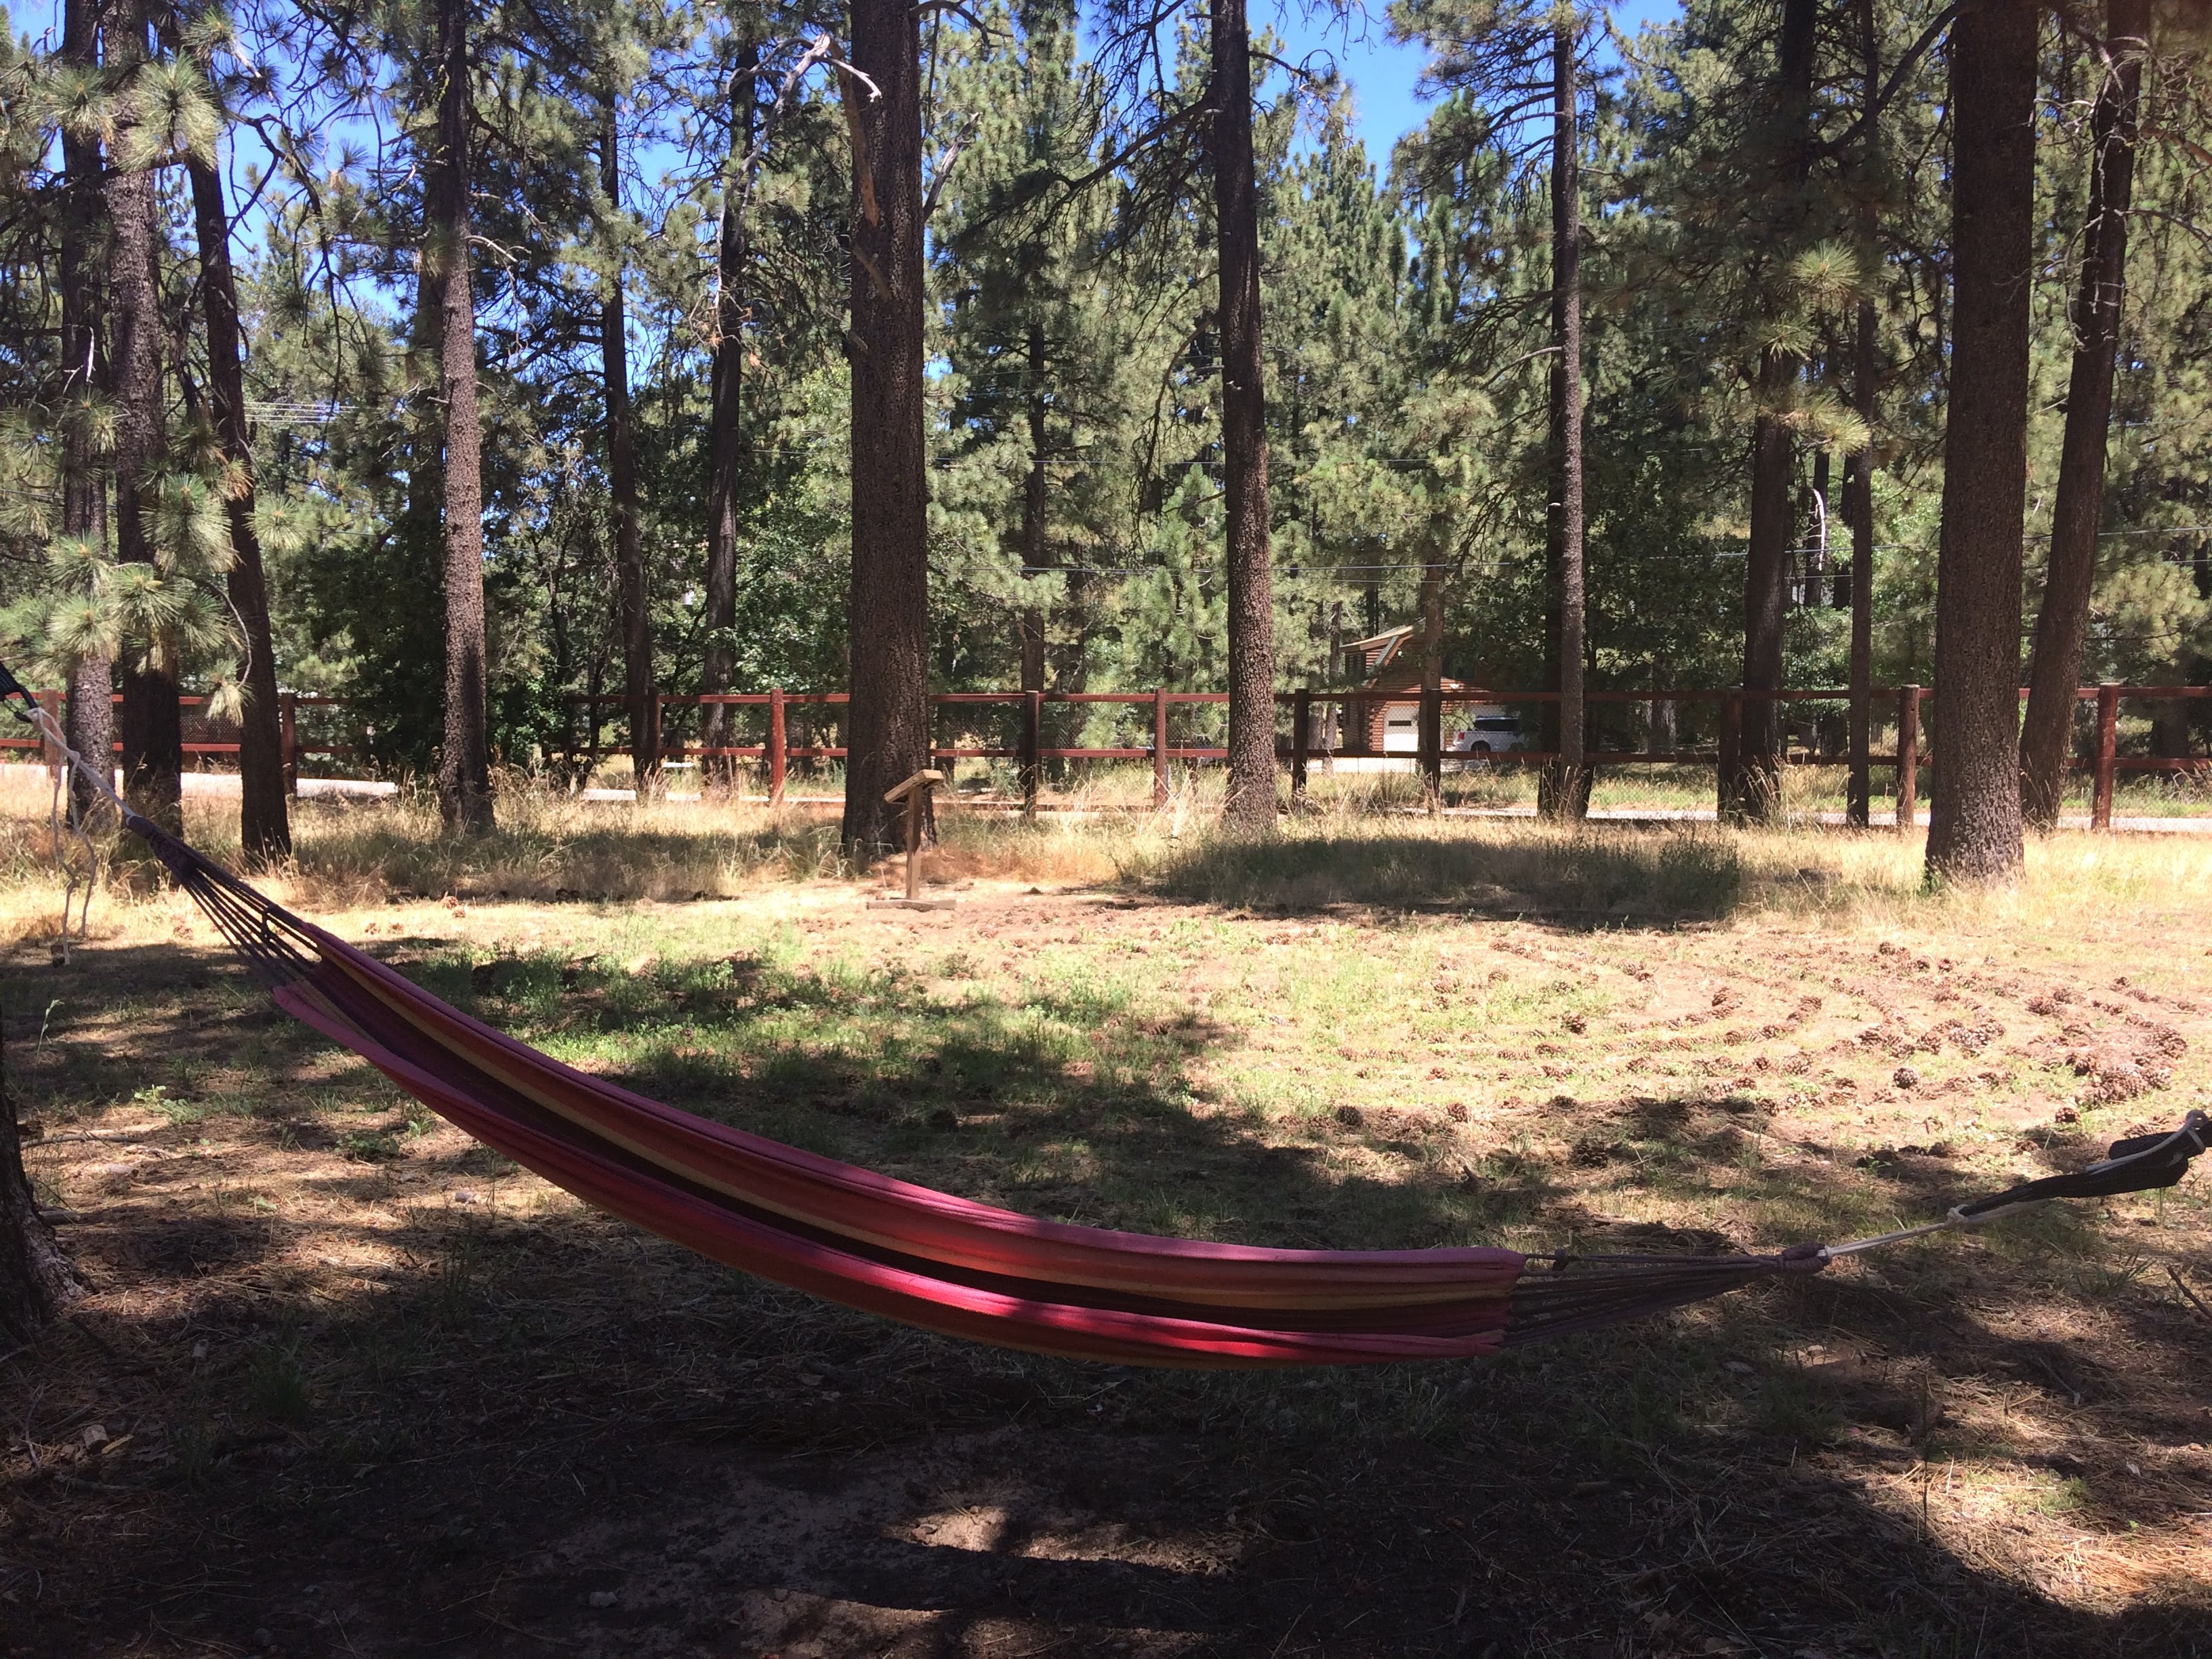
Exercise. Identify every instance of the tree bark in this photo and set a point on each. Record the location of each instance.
(1029, 626)
(2046, 740)
(621, 485)
(888, 719)
(151, 727)
(2169, 725)
(1754, 792)
(726, 442)
(36, 1279)
(1754, 786)
(264, 821)
(1659, 738)
(1250, 803)
(1564, 789)
(1866, 370)
(1858, 488)
(1974, 817)
(465, 799)
(1428, 735)
(91, 715)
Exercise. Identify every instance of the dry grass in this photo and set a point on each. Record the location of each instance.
(352, 1352)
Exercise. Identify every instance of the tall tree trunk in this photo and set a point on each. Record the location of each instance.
(1428, 736)
(1754, 786)
(2046, 741)
(36, 1279)
(621, 485)
(1755, 789)
(1563, 790)
(1659, 736)
(726, 442)
(152, 729)
(1866, 371)
(91, 714)
(2169, 721)
(421, 538)
(1974, 816)
(888, 719)
(1858, 506)
(1035, 547)
(1250, 803)
(465, 759)
(264, 823)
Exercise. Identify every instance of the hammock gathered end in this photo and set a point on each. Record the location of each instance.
(949, 1264)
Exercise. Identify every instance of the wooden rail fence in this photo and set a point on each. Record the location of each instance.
(775, 751)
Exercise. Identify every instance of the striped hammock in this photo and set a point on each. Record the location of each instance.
(949, 1264)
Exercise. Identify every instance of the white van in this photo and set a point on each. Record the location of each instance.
(1476, 729)
(1484, 729)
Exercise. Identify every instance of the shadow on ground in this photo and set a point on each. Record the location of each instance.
(1622, 878)
(549, 1434)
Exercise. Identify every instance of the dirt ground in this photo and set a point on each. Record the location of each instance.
(345, 1384)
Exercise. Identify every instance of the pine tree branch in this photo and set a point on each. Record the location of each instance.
(1919, 49)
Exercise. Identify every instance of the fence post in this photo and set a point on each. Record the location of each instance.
(776, 746)
(1908, 756)
(2108, 745)
(1301, 740)
(288, 738)
(1032, 742)
(1726, 803)
(1159, 747)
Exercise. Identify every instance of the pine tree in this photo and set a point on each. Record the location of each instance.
(1754, 788)
(465, 799)
(726, 415)
(1524, 58)
(152, 729)
(1865, 383)
(1974, 820)
(621, 469)
(89, 665)
(2046, 738)
(1249, 802)
(1566, 792)
(265, 825)
(888, 726)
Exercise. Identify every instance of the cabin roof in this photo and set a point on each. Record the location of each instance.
(1387, 637)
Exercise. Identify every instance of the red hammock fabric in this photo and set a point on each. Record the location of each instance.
(924, 1257)
(928, 1258)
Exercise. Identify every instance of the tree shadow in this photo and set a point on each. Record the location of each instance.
(1634, 878)
(546, 1431)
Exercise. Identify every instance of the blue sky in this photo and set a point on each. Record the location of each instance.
(1382, 72)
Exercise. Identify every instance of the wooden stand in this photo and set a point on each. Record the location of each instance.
(915, 792)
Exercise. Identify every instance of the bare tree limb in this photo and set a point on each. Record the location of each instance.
(863, 173)
(967, 131)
